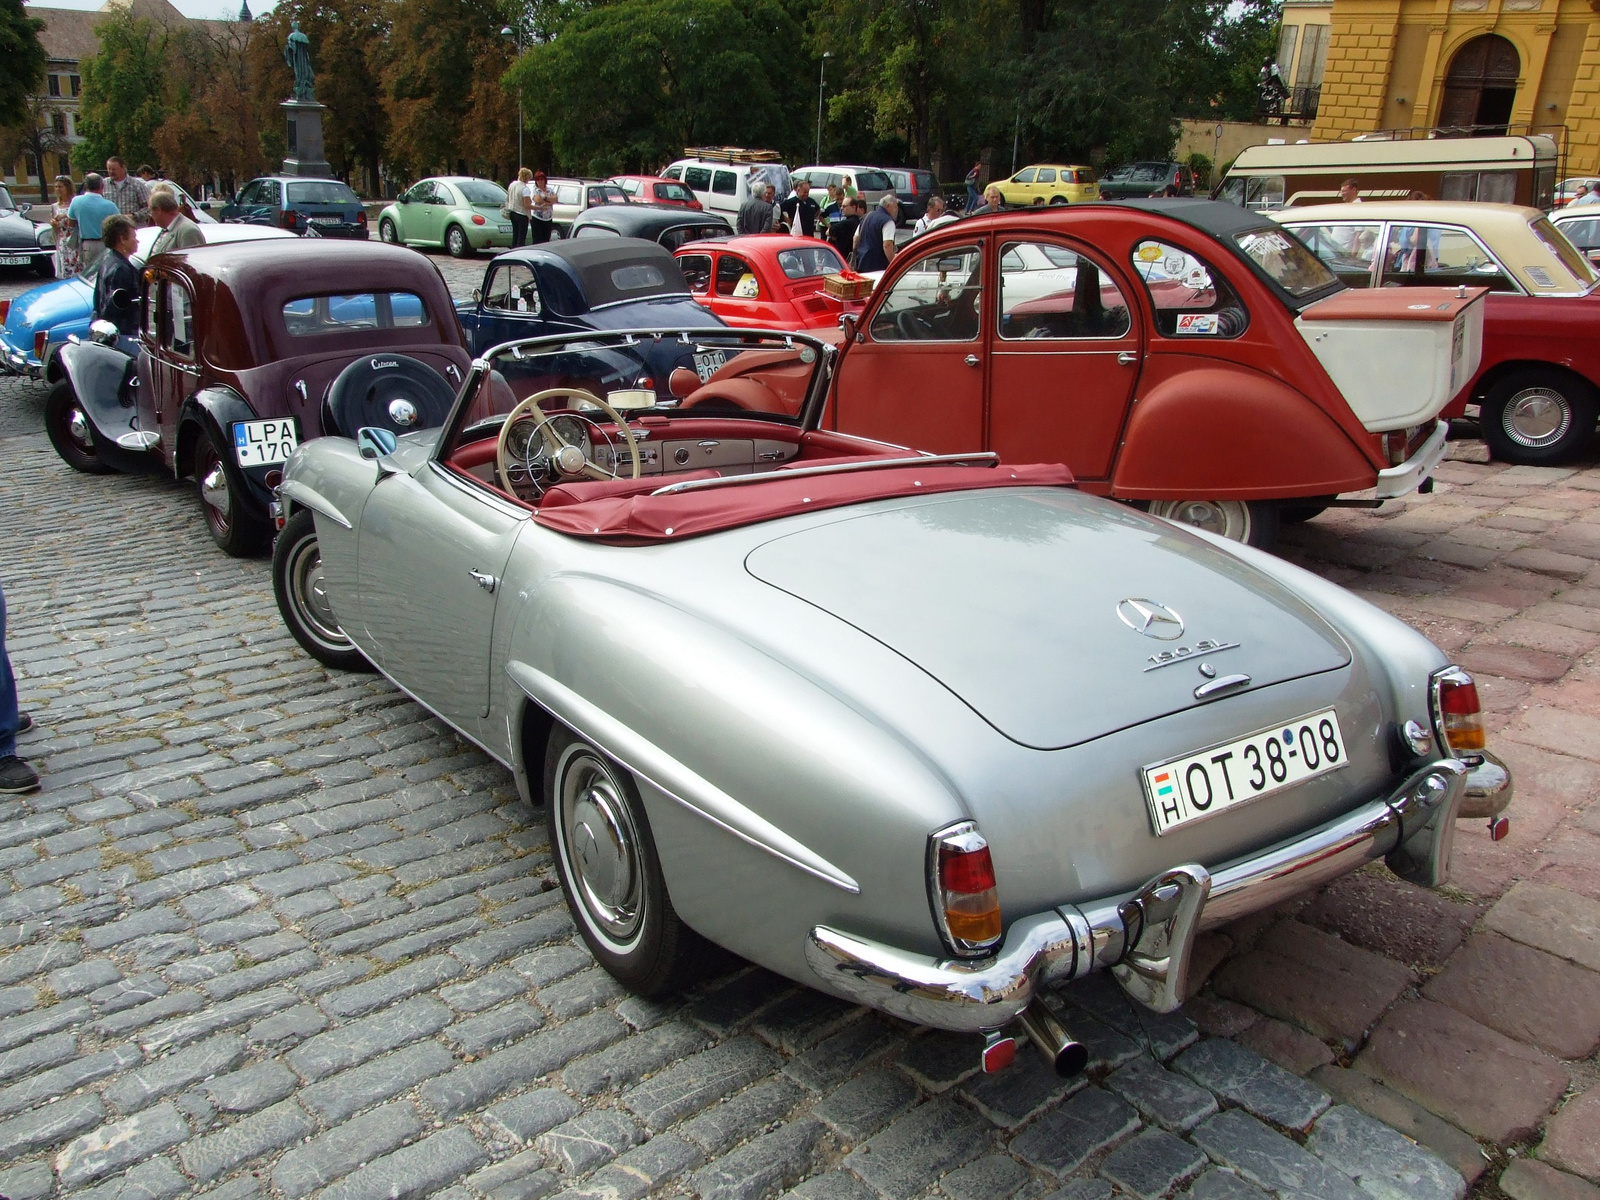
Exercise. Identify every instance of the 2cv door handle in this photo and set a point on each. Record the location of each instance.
(484, 580)
(1127, 358)
(972, 360)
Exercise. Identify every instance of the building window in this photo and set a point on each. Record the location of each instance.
(74, 84)
(54, 84)
(1481, 86)
(58, 122)
(1313, 56)
(1286, 39)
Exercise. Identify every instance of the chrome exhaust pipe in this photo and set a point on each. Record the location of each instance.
(1066, 1055)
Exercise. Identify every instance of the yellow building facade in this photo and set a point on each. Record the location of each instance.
(1517, 66)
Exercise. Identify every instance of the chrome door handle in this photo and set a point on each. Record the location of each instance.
(485, 580)
(972, 360)
(1127, 358)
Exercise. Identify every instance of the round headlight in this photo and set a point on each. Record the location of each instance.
(47, 237)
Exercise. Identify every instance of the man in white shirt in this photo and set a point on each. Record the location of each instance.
(1587, 194)
(934, 217)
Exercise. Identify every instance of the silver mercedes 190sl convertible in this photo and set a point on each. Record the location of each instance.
(931, 733)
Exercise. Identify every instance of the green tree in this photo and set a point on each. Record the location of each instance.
(23, 55)
(124, 97)
(627, 85)
(429, 65)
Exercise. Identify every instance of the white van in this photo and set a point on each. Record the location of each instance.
(720, 180)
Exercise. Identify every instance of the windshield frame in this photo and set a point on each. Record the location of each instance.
(721, 336)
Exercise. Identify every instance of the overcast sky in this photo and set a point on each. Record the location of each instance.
(189, 8)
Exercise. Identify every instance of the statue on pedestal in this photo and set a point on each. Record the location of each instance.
(297, 53)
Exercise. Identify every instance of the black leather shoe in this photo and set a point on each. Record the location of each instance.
(17, 777)
(24, 722)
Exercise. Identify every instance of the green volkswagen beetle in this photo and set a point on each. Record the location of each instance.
(456, 212)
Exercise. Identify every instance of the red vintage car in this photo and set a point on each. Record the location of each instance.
(652, 189)
(766, 281)
(1187, 355)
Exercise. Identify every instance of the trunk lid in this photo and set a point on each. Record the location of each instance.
(1043, 615)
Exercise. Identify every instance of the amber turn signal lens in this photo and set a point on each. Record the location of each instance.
(967, 891)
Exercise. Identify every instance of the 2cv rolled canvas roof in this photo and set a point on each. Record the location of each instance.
(242, 288)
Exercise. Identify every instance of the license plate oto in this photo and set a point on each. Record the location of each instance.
(14, 260)
(265, 443)
(1205, 783)
(707, 365)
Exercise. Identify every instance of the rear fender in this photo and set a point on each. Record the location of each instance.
(1222, 432)
(212, 411)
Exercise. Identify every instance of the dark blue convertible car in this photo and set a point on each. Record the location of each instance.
(585, 283)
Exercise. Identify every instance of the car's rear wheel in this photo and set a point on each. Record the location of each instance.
(1538, 416)
(68, 430)
(455, 241)
(303, 600)
(606, 859)
(1058, 200)
(388, 233)
(235, 532)
(1254, 522)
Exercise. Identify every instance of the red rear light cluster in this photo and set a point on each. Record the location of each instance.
(289, 219)
(476, 219)
(361, 217)
(966, 902)
(5, 310)
(1457, 713)
(41, 342)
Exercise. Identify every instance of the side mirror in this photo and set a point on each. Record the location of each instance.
(24, 208)
(103, 332)
(403, 199)
(375, 442)
(477, 295)
(848, 322)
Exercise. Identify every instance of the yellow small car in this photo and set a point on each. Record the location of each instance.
(1050, 183)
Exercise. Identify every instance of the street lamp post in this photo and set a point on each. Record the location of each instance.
(822, 74)
(517, 33)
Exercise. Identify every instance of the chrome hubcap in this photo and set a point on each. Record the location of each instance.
(601, 847)
(1226, 518)
(1537, 417)
(78, 428)
(214, 488)
(308, 588)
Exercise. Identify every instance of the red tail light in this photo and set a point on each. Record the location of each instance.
(5, 310)
(1457, 713)
(965, 899)
(476, 219)
(361, 217)
(41, 342)
(289, 218)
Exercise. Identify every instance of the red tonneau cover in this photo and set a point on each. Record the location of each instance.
(624, 511)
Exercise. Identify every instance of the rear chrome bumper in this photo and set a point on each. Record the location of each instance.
(1144, 938)
(1404, 479)
(1488, 791)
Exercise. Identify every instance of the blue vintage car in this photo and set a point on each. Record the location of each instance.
(585, 284)
(35, 325)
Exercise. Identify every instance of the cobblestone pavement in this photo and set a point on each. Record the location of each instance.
(271, 930)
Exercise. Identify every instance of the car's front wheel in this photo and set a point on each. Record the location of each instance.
(1538, 416)
(455, 241)
(1253, 522)
(68, 429)
(388, 233)
(606, 859)
(303, 599)
(231, 528)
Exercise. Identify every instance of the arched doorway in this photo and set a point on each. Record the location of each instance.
(1481, 85)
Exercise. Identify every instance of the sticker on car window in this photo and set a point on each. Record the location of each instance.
(1197, 323)
(1149, 252)
(1174, 265)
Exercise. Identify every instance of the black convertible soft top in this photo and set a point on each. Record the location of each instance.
(1210, 216)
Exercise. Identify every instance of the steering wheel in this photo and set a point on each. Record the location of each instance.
(913, 326)
(538, 456)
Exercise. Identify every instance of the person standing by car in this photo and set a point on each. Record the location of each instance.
(875, 239)
(994, 200)
(88, 212)
(934, 217)
(801, 212)
(68, 258)
(518, 207)
(178, 232)
(129, 193)
(541, 211)
(1587, 194)
(755, 214)
(17, 778)
(972, 185)
(116, 283)
(842, 230)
